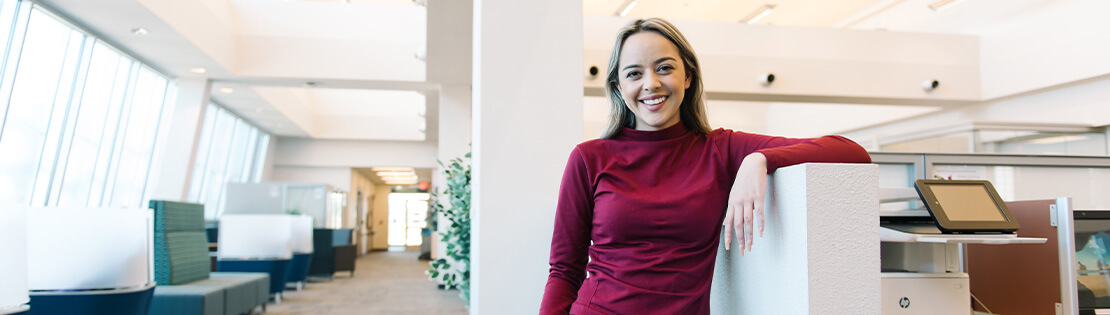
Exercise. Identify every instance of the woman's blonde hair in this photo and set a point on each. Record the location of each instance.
(692, 109)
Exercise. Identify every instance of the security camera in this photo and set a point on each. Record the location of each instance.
(930, 85)
(767, 79)
(594, 71)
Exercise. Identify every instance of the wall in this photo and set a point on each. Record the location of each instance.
(379, 209)
(353, 153)
(354, 219)
(1086, 102)
(340, 177)
(815, 64)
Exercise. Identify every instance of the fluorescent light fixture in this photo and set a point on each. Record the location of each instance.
(395, 173)
(627, 7)
(198, 70)
(1058, 139)
(227, 90)
(944, 4)
(139, 31)
(759, 14)
(392, 168)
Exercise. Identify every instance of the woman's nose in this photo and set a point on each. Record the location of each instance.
(651, 82)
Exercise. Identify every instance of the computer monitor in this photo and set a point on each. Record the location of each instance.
(965, 206)
(1092, 256)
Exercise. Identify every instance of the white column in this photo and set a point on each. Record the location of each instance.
(454, 142)
(527, 118)
(180, 142)
(819, 252)
(450, 46)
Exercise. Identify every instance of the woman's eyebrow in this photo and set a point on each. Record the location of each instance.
(661, 60)
(657, 61)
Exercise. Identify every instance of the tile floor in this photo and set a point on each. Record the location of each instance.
(383, 283)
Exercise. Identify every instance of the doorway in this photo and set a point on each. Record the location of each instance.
(407, 214)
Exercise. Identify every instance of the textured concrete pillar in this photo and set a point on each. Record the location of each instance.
(820, 250)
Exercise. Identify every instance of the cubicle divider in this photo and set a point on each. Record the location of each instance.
(90, 260)
(13, 261)
(820, 250)
(301, 230)
(1029, 279)
(257, 243)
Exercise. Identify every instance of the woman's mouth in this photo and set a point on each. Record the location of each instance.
(654, 103)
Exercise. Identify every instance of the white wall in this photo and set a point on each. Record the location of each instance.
(812, 64)
(527, 118)
(380, 218)
(354, 219)
(353, 153)
(1084, 103)
(340, 177)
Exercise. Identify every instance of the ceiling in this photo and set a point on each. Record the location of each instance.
(353, 69)
(965, 17)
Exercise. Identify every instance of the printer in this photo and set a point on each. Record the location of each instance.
(922, 250)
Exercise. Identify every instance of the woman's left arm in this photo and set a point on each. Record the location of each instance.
(763, 155)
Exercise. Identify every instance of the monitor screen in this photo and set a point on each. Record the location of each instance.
(967, 202)
(1092, 254)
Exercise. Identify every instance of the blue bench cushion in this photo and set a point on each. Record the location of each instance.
(244, 290)
(223, 293)
(188, 299)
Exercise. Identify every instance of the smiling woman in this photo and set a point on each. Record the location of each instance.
(641, 209)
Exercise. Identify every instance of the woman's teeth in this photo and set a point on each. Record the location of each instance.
(654, 101)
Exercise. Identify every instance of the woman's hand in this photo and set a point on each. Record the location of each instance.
(745, 201)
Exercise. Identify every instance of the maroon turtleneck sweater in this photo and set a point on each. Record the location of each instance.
(652, 203)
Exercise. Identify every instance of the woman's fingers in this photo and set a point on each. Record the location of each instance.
(728, 225)
(748, 212)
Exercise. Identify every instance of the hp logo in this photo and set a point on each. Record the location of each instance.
(904, 302)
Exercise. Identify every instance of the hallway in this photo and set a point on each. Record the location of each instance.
(383, 283)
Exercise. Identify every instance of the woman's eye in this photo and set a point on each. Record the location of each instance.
(632, 74)
(665, 68)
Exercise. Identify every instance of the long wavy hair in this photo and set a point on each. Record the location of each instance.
(691, 110)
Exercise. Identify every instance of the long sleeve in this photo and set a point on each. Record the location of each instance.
(782, 152)
(571, 238)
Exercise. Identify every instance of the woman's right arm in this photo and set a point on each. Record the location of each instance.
(570, 241)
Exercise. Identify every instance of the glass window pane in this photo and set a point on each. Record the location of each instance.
(89, 132)
(32, 106)
(139, 134)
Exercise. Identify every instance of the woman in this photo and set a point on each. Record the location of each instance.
(652, 193)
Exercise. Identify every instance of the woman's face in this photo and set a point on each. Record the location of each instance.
(652, 80)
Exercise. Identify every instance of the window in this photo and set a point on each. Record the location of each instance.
(230, 150)
(81, 118)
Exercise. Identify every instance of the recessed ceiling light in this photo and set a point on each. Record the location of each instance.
(944, 4)
(198, 70)
(627, 7)
(139, 31)
(759, 14)
(227, 90)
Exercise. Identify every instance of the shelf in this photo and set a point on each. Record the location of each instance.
(890, 235)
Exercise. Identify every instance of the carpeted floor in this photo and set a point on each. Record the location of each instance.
(383, 283)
